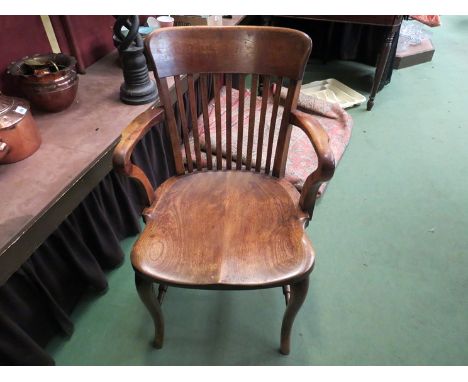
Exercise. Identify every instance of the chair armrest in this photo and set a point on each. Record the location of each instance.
(131, 135)
(326, 161)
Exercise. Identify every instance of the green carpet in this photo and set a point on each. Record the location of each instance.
(390, 283)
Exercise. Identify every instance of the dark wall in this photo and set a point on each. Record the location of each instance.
(19, 36)
(93, 36)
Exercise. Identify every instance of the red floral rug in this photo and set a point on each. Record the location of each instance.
(302, 159)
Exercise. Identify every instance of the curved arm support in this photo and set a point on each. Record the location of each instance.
(326, 161)
(131, 135)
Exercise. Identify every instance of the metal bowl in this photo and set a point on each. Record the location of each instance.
(48, 81)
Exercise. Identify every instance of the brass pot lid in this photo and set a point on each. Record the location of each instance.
(12, 111)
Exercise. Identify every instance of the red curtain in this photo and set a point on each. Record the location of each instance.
(21, 36)
(88, 38)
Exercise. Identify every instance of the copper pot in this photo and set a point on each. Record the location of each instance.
(49, 81)
(19, 135)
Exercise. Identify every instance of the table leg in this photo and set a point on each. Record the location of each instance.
(328, 46)
(381, 64)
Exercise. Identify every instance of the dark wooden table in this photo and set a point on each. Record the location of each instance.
(390, 22)
(40, 191)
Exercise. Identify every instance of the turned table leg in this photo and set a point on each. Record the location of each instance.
(381, 64)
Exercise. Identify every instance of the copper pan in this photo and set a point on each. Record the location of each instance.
(48, 81)
(19, 135)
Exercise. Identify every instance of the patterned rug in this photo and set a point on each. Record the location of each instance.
(302, 159)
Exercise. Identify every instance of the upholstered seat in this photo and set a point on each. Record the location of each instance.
(251, 225)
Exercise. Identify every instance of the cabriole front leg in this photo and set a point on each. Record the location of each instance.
(298, 295)
(147, 295)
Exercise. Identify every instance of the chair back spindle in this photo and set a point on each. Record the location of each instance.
(261, 126)
(274, 114)
(229, 121)
(240, 121)
(194, 117)
(253, 96)
(206, 120)
(219, 150)
(184, 122)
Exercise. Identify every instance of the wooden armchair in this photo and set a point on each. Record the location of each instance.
(226, 224)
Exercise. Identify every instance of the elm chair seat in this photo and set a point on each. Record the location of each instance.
(251, 225)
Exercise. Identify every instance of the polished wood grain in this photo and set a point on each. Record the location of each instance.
(226, 226)
(219, 150)
(145, 290)
(253, 105)
(132, 134)
(261, 126)
(228, 121)
(246, 49)
(284, 136)
(226, 229)
(298, 292)
(165, 96)
(326, 161)
(240, 121)
(185, 132)
(274, 114)
(206, 121)
(194, 117)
